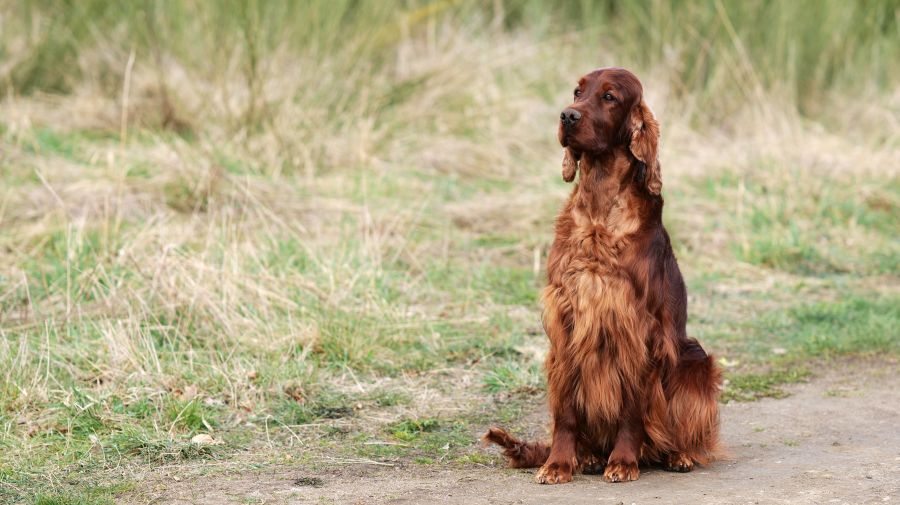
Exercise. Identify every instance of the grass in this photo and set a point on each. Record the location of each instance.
(512, 376)
(328, 238)
(753, 386)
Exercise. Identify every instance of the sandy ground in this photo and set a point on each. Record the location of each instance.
(834, 440)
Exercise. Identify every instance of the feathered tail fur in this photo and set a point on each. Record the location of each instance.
(518, 454)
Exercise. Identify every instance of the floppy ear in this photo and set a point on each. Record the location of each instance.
(569, 166)
(645, 142)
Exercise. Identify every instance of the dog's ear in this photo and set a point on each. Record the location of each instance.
(645, 143)
(569, 166)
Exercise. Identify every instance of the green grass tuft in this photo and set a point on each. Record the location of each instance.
(514, 377)
(753, 386)
(411, 429)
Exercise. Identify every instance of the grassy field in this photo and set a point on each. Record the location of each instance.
(316, 231)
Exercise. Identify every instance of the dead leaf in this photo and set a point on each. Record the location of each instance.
(295, 392)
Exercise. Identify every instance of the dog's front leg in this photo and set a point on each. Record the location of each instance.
(560, 383)
(562, 460)
(623, 461)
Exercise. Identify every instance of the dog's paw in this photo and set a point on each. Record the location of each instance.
(679, 462)
(619, 471)
(554, 473)
(593, 465)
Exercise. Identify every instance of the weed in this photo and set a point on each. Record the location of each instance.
(411, 429)
(753, 386)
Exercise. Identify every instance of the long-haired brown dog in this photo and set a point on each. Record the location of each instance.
(625, 383)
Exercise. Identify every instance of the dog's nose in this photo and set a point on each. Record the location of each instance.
(569, 117)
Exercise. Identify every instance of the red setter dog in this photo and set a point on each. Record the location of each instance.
(626, 384)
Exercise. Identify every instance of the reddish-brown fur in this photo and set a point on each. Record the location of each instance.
(625, 383)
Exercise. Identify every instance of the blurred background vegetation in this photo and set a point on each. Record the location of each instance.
(812, 45)
(718, 53)
(322, 225)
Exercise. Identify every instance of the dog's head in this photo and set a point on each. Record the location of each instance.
(608, 112)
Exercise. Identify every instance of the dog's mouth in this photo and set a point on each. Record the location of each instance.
(573, 152)
(569, 140)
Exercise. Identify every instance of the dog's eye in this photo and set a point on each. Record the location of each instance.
(577, 92)
(608, 97)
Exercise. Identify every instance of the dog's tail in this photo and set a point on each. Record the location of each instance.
(518, 454)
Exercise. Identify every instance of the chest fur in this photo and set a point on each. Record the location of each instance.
(593, 292)
(602, 236)
(587, 271)
(592, 238)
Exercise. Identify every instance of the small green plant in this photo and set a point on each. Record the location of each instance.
(753, 386)
(411, 429)
(192, 416)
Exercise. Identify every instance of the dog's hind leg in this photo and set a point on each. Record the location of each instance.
(693, 410)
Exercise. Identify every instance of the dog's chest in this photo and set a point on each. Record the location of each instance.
(598, 239)
(590, 269)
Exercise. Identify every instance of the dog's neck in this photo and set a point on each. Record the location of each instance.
(604, 177)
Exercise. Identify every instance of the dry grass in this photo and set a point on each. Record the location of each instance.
(303, 229)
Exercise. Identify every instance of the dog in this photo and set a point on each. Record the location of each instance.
(626, 385)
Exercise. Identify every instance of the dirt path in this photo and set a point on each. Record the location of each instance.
(834, 440)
